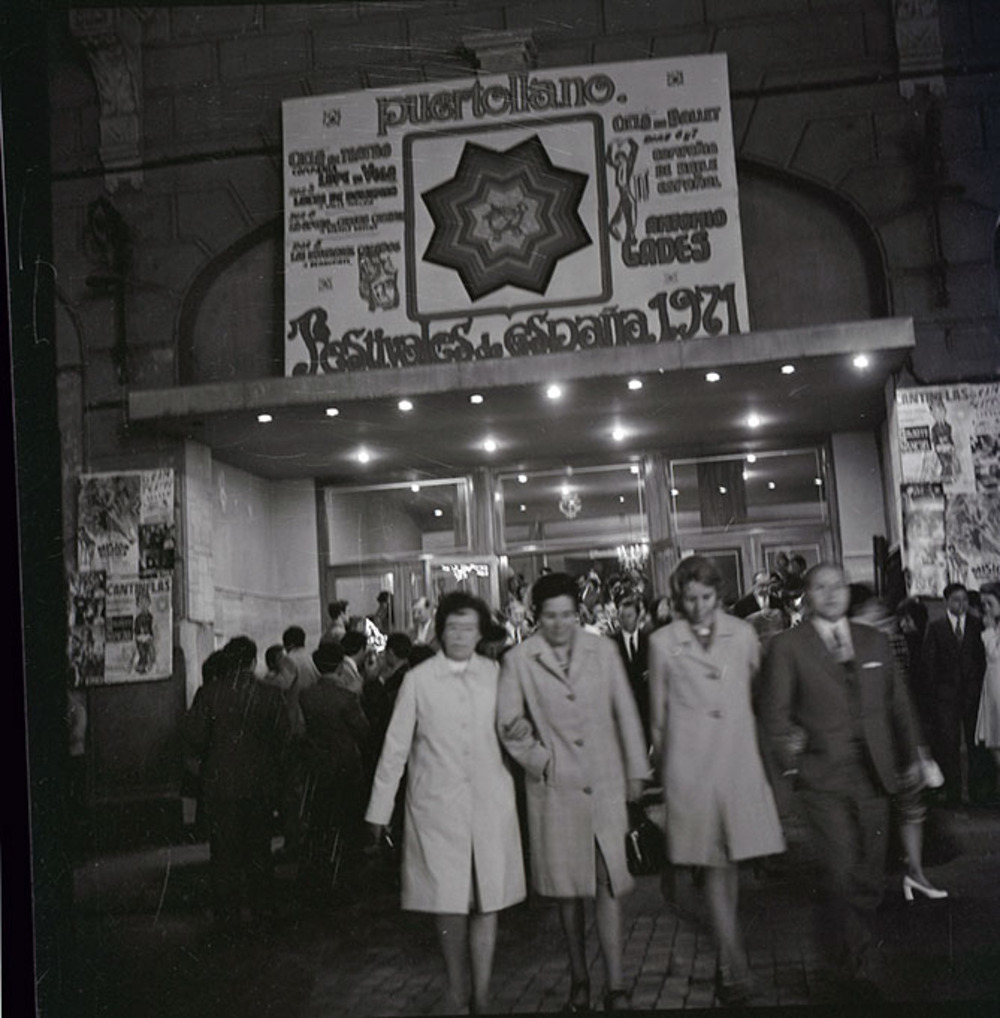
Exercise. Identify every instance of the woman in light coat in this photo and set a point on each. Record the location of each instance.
(720, 809)
(462, 847)
(566, 714)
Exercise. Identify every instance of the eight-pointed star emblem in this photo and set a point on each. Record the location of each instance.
(506, 218)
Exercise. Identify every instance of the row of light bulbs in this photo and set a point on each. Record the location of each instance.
(554, 392)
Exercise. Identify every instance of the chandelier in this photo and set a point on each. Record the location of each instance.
(463, 570)
(633, 556)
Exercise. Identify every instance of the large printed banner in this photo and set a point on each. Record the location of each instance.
(121, 615)
(949, 440)
(512, 215)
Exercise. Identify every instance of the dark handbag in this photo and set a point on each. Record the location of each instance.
(645, 849)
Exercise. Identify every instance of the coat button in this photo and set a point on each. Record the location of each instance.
(715, 713)
(571, 696)
(588, 790)
(578, 742)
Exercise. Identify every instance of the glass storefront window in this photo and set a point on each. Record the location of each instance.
(396, 521)
(722, 492)
(552, 509)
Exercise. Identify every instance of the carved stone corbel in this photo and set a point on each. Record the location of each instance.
(496, 52)
(112, 40)
(918, 42)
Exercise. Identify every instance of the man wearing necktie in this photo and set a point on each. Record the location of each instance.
(952, 666)
(633, 645)
(833, 685)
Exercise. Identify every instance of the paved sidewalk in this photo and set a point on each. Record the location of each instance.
(147, 951)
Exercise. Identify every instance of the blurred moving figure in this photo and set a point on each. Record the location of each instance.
(868, 610)
(720, 809)
(567, 716)
(837, 683)
(462, 848)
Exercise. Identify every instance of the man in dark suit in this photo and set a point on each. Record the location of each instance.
(841, 721)
(757, 598)
(633, 645)
(952, 666)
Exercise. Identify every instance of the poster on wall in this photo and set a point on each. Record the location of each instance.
(511, 215)
(126, 543)
(948, 435)
(108, 523)
(139, 629)
(924, 539)
(972, 526)
(86, 627)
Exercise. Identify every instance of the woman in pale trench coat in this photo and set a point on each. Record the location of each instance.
(720, 809)
(566, 714)
(462, 846)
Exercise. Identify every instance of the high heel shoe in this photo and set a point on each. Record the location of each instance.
(910, 885)
(579, 999)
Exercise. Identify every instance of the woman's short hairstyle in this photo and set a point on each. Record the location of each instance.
(693, 569)
(990, 587)
(459, 601)
(553, 585)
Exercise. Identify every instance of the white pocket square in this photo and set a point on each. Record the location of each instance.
(872, 664)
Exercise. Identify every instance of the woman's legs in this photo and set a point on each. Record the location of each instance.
(571, 918)
(482, 941)
(453, 935)
(609, 926)
(722, 893)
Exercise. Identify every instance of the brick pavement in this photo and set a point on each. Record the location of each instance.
(147, 950)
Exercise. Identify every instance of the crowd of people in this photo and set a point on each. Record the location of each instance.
(602, 695)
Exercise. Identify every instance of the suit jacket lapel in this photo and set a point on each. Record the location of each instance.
(818, 648)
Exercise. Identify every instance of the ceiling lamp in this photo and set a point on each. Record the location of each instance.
(713, 376)
(405, 405)
(522, 478)
(788, 369)
(490, 445)
(634, 384)
(264, 418)
(476, 398)
(332, 411)
(363, 456)
(554, 391)
(861, 361)
(753, 421)
(618, 434)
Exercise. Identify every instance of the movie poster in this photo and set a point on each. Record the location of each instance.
(108, 523)
(511, 215)
(139, 629)
(972, 526)
(948, 435)
(86, 628)
(926, 563)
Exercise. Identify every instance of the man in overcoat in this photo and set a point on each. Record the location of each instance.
(238, 729)
(952, 666)
(831, 690)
